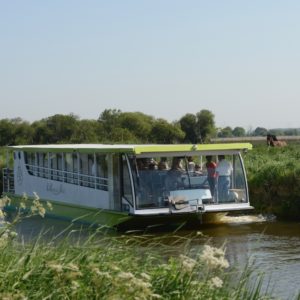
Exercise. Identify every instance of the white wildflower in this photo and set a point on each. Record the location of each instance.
(125, 275)
(214, 257)
(12, 234)
(141, 284)
(4, 201)
(216, 282)
(72, 267)
(4, 239)
(55, 267)
(102, 274)
(188, 263)
(49, 205)
(75, 285)
(115, 268)
(42, 211)
(145, 276)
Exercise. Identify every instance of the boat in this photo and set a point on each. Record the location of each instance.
(117, 185)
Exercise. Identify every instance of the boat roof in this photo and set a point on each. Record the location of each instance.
(133, 149)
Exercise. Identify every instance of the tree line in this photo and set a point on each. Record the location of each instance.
(115, 126)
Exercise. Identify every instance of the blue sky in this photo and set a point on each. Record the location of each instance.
(238, 59)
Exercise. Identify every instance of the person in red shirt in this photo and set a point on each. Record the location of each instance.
(211, 174)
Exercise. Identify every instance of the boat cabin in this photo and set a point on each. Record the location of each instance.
(134, 180)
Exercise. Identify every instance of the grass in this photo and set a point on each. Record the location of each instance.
(101, 266)
(274, 180)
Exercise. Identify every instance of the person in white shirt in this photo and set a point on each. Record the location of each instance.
(191, 164)
(223, 170)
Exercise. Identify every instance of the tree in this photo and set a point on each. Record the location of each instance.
(109, 119)
(260, 131)
(188, 125)
(122, 135)
(138, 124)
(23, 132)
(205, 126)
(55, 129)
(225, 132)
(165, 133)
(238, 131)
(6, 132)
(87, 131)
(15, 132)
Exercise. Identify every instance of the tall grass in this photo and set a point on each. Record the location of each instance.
(98, 266)
(274, 180)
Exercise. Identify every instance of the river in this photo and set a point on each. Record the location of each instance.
(272, 247)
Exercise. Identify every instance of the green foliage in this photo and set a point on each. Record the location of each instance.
(112, 126)
(260, 131)
(15, 131)
(117, 267)
(199, 127)
(188, 125)
(238, 131)
(225, 132)
(274, 180)
(87, 131)
(206, 124)
(138, 124)
(165, 133)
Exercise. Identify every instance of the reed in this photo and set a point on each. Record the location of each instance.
(114, 266)
(274, 180)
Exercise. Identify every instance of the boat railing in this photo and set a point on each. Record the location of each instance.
(72, 177)
(8, 180)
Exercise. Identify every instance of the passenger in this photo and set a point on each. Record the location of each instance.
(191, 164)
(223, 170)
(198, 170)
(211, 173)
(177, 164)
(142, 164)
(174, 179)
(163, 164)
(152, 164)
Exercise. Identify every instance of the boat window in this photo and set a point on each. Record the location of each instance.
(42, 160)
(68, 160)
(126, 181)
(89, 170)
(158, 179)
(101, 171)
(30, 162)
(239, 184)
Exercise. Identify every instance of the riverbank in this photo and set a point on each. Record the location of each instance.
(274, 180)
(98, 265)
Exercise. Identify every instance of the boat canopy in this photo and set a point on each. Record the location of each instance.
(134, 149)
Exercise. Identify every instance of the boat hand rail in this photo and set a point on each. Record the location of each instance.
(75, 177)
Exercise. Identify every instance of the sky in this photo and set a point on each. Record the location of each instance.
(239, 59)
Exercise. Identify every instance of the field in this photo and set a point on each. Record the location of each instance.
(274, 180)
